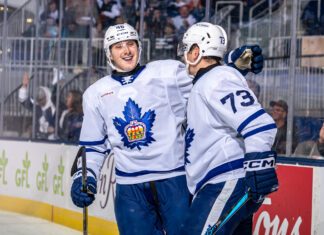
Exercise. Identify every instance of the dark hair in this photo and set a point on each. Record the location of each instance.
(280, 103)
(76, 100)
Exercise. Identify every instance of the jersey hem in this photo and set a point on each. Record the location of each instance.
(146, 178)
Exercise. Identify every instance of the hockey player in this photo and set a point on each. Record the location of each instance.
(138, 112)
(228, 138)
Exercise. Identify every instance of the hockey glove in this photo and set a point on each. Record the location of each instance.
(80, 198)
(246, 59)
(260, 174)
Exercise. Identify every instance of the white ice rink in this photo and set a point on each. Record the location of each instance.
(17, 224)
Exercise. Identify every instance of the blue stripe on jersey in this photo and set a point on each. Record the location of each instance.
(88, 150)
(260, 129)
(226, 167)
(138, 173)
(250, 119)
(98, 142)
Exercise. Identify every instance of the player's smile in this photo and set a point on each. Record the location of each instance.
(128, 58)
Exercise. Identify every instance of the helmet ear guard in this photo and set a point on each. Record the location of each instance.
(118, 33)
(211, 40)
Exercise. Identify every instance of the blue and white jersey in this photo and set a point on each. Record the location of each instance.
(225, 121)
(140, 118)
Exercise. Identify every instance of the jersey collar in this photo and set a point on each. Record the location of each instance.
(127, 77)
(202, 71)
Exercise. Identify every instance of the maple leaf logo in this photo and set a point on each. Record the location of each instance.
(188, 139)
(135, 129)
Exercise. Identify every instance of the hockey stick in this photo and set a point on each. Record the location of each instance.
(74, 168)
(223, 220)
(84, 189)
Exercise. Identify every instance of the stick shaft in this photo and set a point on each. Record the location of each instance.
(223, 220)
(84, 189)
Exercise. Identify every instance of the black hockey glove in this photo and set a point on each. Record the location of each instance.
(80, 198)
(246, 59)
(260, 174)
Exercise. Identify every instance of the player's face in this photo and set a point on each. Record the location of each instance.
(125, 55)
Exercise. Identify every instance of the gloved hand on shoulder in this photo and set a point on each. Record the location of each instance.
(247, 58)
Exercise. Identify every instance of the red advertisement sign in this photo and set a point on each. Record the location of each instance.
(289, 210)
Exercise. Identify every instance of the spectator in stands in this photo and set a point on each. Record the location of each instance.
(109, 10)
(45, 109)
(183, 21)
(320, 142)
(279, 114)
(156, 23)
(51, 12)
(173, 7)
(71, 118)
(69, 25)
(49, 29)
(166, 46)
(130, 13)
(311, 148)
(49, 21)
(86, 15)
(30, 31)
(171, 41)
(312, 22)
(198, 10)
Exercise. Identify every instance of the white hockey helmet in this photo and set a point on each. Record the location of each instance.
(119, 33)
(211, 40)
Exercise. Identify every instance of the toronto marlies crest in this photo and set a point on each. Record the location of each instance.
(188, 139)
(135, 129)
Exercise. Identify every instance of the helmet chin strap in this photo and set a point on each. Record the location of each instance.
(188, 63)
(111, 63)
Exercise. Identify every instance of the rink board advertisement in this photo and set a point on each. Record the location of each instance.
(289, 210)
(35, 180)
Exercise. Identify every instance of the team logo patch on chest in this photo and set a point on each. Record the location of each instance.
(135, 129)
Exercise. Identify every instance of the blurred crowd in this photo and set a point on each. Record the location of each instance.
(165, 21)
(313, 18)
(307, 132)
(164, 24)
(162, 18)
(70, 112)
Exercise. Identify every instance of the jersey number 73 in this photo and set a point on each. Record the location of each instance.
(245, 95)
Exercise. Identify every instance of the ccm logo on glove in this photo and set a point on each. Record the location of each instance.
(260, 164)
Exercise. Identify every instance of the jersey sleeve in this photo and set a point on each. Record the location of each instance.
(234, 104)
(93, 133)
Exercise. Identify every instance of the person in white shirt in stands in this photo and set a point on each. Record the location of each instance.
(45, 109)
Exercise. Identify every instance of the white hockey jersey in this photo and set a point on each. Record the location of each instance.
(140, 118)
(225, 121)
